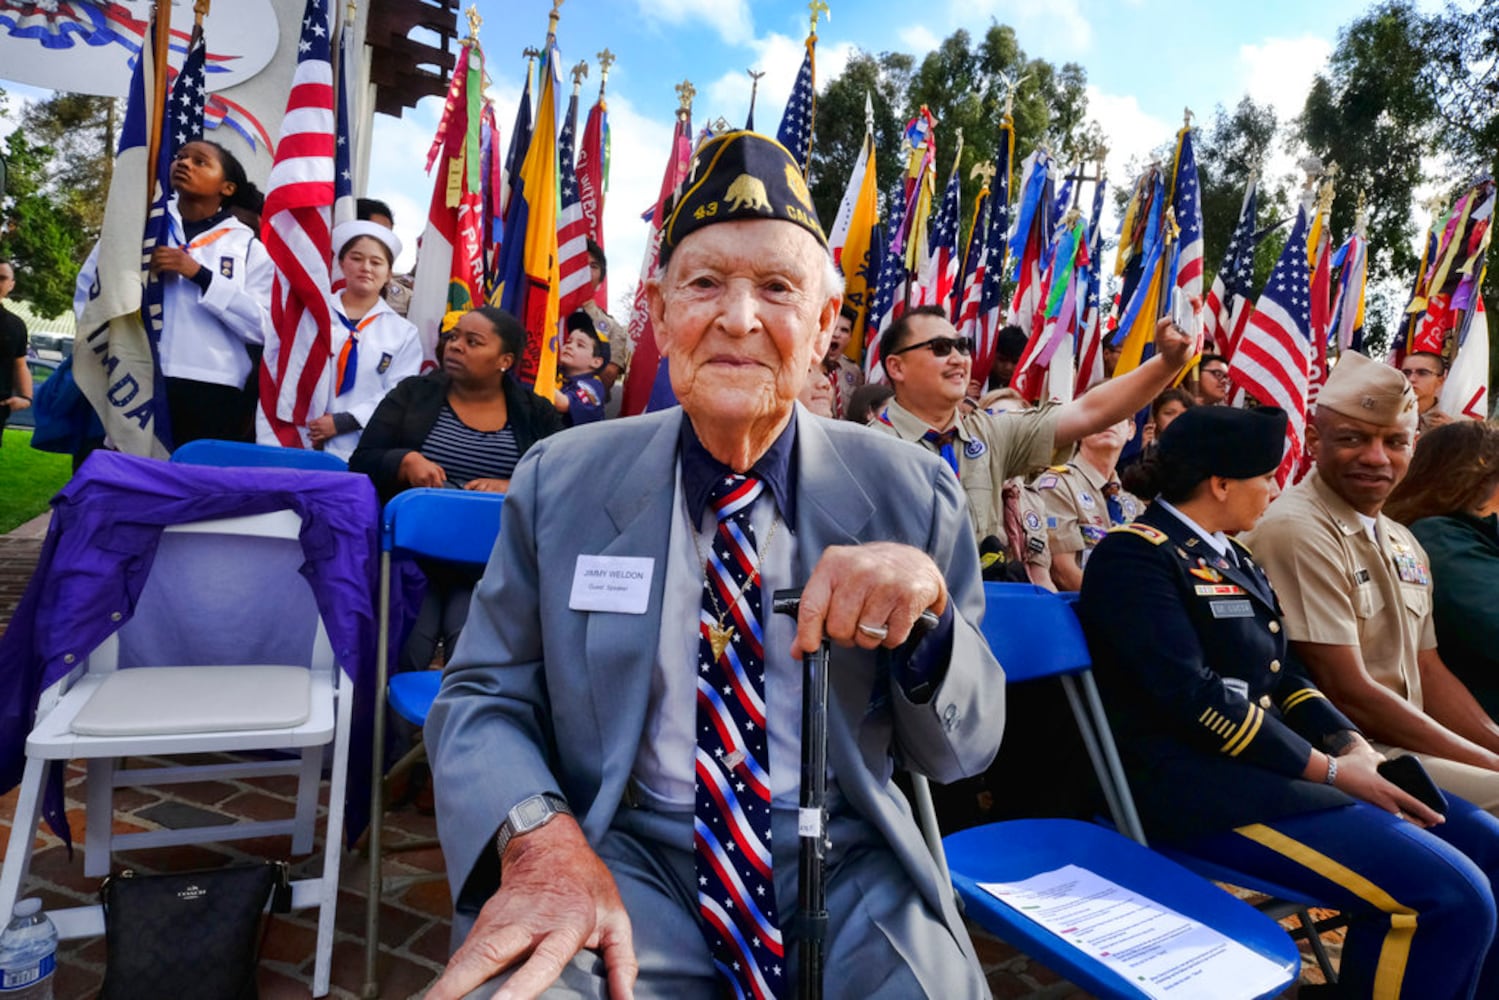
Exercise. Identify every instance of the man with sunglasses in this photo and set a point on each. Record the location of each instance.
(929, 366)
(1427, 373)
(1212, 384)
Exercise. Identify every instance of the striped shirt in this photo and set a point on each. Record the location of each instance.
(465, 453)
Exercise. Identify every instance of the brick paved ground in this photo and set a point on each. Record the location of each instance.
(415, 914)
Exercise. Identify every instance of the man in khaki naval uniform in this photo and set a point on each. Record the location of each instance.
(929, 366)
(1084, 500)
(1356, 588)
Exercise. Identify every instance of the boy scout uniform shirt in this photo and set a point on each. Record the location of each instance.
(991, 447)
(845, 376)
(1339, 587)
(1077, 509)
(1033, 521)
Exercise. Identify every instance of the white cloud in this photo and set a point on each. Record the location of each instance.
(1061, 22)
(1132, 133)
(730, 18)
(779, 57)
(1279, 71)
(918, 39)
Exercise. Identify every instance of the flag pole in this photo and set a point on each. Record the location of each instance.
(162, 26)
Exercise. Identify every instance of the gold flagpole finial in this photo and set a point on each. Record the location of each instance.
(1010, 87)
(818, 8)
(685, 93)
(474, 20)
(985, 170)
(1187, 117)
(530, 52)
(200, 9)
(606, 59)
(580, 73)
(554, 16)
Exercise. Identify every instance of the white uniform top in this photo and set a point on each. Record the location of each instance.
(389, 350)
(204, 335)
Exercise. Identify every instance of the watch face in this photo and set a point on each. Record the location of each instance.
(531, 812)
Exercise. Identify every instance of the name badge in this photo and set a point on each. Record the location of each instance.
(1231, 609)
(612, 583)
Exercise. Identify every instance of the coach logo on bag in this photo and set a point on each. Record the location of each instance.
(191, 892)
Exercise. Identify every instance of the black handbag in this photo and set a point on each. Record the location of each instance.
(189, 934)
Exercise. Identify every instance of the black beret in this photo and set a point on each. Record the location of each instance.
(1226, 441)
(580, 320)
(740, 175)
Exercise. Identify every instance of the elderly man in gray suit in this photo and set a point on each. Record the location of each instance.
(616, 745)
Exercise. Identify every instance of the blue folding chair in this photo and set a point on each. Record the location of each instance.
(455, 526)
(1035, 634)
(225, 454)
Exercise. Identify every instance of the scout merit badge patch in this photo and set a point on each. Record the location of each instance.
(974, 448)
(226, 267)
(384, 365)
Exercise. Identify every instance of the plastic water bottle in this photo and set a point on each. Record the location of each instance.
(28, 954)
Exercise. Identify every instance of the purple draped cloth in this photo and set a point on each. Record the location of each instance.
(105, 527)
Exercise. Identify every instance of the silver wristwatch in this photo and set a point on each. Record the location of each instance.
(529, 814)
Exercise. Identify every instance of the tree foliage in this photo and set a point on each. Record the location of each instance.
(59, 164)
(1232, 149)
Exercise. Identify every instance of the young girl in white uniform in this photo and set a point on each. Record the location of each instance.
(217, 292)
(373, 347)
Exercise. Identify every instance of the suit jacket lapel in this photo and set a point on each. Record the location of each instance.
(620, 649)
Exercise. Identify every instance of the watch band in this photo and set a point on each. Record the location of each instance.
(529, 814)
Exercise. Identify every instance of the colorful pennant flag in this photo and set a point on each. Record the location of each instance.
(1090, 332)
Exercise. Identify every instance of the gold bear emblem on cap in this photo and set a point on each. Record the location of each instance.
(747, 192)
(798, 187)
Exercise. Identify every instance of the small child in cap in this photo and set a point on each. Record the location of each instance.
(582, 356)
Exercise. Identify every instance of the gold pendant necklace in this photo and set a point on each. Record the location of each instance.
(720, 634)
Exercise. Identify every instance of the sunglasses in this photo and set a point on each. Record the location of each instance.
(941, 346)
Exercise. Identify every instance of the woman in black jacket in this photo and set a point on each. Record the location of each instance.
(465, 425)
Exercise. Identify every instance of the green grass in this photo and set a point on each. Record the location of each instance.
(28, 478)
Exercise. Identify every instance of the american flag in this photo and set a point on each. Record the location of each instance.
(572, 224)
(1270, 363)
(941, 271)
(801, 109)
(344, 206)
(981, 314)
(1228, 304)
(182, 125)
(892, 276)
(294, 377)
(971, 275)
(1186, 202)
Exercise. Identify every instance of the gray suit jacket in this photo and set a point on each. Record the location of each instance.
(540, 698)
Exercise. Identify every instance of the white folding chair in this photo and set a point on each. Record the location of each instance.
(176, 679)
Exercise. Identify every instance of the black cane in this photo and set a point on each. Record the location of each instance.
(811, 820)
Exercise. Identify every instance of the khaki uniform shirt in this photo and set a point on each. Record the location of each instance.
(846, 376)
(1077, 509)
(991, 447)
(1339, 587)
(1033, 520)
(617, 333)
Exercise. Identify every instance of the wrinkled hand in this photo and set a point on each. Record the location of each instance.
(321, 428)
(1359, 777)
(556, 898)
(418, 470)
(1175, 344)
(488, 485)
(878, 583)
(174, 259)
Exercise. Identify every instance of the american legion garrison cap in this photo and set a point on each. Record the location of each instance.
(1364, 389)
(1226, 441)
(735, 176)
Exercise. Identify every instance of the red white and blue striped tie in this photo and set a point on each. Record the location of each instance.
(736, 891)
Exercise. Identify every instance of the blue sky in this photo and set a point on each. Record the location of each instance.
(1145, 61)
